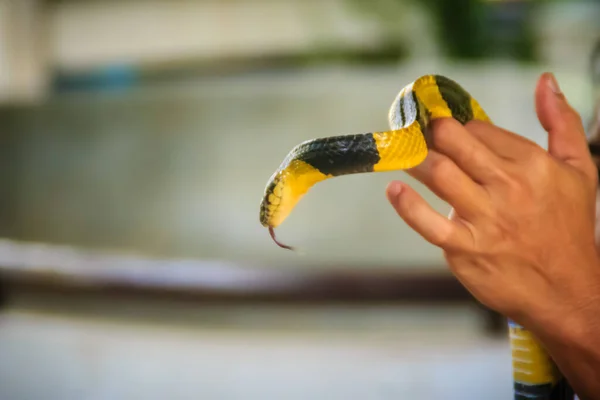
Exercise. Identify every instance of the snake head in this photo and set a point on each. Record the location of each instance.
(284, 190)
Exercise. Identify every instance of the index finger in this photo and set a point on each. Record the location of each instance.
(454, 140)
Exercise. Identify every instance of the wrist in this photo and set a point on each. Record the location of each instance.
(574, 346)
(577, 331)
(569, 329)
(572, 322)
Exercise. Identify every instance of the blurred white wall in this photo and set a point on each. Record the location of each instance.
(181, 169)
(153, 31)
(325, 353)
(38, 35)
(24, 69)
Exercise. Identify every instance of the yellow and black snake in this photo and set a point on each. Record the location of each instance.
(404, 146)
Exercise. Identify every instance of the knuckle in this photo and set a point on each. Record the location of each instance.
(529, 146)
(475, 157)
(518, 187)
(441, 170)
(505, 230)
(540, 166)
(441, 132)
(511, 180)
(441, 239)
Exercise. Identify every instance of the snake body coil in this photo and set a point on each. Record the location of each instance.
(404, 146)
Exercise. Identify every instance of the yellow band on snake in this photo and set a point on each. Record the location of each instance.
(404, 146)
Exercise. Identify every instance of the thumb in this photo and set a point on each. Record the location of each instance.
(566, 134)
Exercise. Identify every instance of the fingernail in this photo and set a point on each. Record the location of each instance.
(394, 190)
(553, 84)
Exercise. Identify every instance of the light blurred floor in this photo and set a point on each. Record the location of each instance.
(253, 353)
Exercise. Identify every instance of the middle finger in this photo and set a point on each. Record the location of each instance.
(444, 178)
(452, 139)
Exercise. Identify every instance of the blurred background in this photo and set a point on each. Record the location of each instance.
(136, 139)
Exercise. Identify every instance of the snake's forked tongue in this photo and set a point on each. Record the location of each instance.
(284, 246)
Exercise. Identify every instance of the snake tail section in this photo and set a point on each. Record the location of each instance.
(535, 374)
(402, 147)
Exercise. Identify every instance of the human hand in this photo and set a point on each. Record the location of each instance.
(521, 233)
